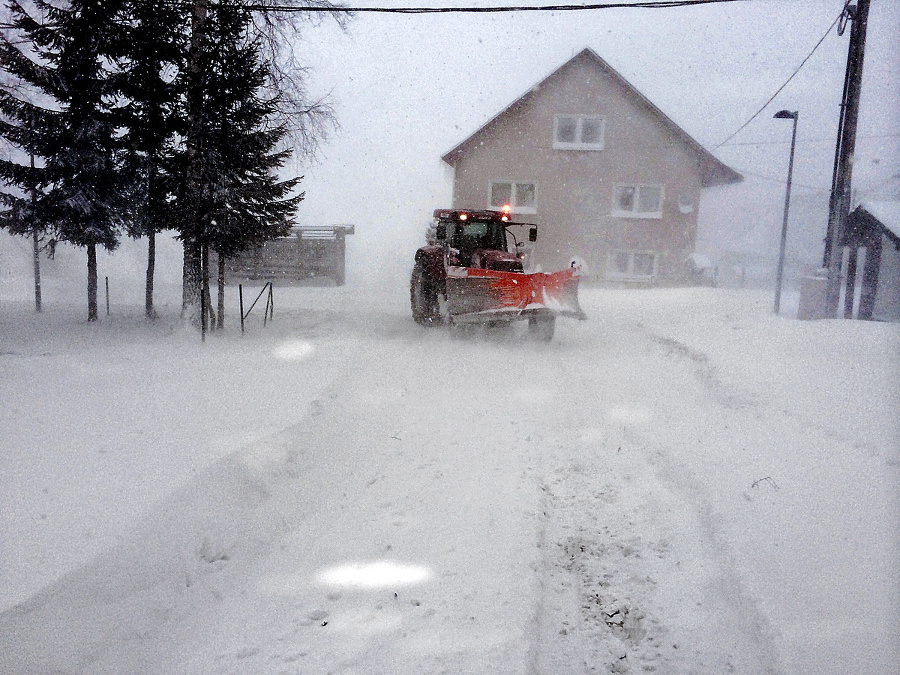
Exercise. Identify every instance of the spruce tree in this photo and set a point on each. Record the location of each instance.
(256, 206)
(24, 179)
(151, 52)
(231, 192)
(22, 174)
(77, 133)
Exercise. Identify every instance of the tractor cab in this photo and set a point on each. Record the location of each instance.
(480, 238)
(469, 236)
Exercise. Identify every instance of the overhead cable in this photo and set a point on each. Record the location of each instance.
(649, 4)
(781, 88)
(782, 181)
(810, 140)
(337, 9)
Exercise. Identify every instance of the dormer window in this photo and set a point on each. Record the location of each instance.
(578, 132)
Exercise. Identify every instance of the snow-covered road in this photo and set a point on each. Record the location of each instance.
(671, 487)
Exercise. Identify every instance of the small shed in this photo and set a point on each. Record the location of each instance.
(873, 234)
(310, 251)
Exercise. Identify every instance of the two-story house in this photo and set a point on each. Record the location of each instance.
(606, 175)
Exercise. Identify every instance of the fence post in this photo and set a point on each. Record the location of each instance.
(107, 296)
(241, 296)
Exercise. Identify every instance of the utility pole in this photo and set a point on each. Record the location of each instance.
(839, 207)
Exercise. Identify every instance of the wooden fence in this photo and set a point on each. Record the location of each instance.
(308, 252)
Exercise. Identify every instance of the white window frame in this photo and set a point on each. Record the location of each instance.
(613, 273)
(514, 208)
(616, 212)
(579, 124)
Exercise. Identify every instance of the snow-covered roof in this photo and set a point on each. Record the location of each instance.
(885, 212)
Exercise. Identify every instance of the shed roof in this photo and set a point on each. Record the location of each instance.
(885, 212)
(713, 171)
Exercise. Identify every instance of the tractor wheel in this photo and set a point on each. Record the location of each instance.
(541, 328)
(423, 298)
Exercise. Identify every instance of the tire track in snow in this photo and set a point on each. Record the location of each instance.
(704, 370)
(739, 607)
(656, 590)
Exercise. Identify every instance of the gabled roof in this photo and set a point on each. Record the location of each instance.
(713, 171)
(884, 215)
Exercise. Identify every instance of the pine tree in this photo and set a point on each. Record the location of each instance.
(24, 179)
(151, 51)
(255, 206)
(191, 221)
(233, 197)
(77, 137)
(23, 196)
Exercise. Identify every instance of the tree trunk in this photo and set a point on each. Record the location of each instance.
(92, 281)
(207, 299)
(149, 311)
(191, 281)
(37, 248)
(37, 269)
(221, 321)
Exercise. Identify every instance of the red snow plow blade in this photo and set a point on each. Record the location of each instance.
(477, 295)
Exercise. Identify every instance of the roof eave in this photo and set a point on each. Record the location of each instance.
(450, 156)
(713, 171)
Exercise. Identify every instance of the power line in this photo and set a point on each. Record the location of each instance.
(815, 188)
(803, 140)
(650, 4)
(338, 9)
(782, 181)
(797, 70)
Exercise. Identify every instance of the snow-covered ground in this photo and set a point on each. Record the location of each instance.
(684, 483)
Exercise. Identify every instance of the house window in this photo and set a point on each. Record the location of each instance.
(521, 197)
(578, 132)
(638, 201)
(631, 265)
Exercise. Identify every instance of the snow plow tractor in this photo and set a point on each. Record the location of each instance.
(472, 272)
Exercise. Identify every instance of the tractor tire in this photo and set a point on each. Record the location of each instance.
(423, 298)
(541, 328)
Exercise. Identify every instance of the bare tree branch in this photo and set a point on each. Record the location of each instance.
(309, 121)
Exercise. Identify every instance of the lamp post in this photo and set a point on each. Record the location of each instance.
(785, 115)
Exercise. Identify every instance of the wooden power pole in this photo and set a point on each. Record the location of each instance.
(839, 207)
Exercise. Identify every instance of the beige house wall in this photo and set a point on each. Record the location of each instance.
(575, 188)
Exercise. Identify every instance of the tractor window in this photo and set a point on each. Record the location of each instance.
(474, 229)
(478, 234)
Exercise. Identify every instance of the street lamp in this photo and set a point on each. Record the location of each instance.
(785, 115)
